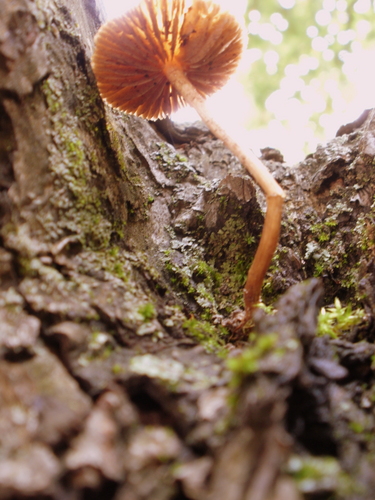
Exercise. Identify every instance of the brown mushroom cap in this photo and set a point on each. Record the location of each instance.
(131, 52)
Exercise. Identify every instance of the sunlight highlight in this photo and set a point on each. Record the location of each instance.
(298, 98)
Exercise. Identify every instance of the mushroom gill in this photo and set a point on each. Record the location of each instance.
(132, 53)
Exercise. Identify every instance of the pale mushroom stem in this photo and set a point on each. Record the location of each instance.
(274, 194)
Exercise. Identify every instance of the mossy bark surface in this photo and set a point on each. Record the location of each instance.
(124, 250)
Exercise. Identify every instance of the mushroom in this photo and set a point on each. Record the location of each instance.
(162, 55)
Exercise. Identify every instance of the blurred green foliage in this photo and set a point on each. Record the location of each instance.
(303, 58)
(335, 321)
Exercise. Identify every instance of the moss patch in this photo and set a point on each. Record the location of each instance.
(74, 195)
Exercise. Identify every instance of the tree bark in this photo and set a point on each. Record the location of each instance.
(122, 262)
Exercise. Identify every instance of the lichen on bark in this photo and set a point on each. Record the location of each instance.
(122, 255)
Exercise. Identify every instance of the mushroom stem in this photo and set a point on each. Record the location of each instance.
(274, 193)
(263, 256)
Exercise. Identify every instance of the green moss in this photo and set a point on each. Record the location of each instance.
(316, 473)
(113, 261)
(74, 191)
(334, 321)
(207, 273)
(268, 309)
(324, 229)
(250, 240)
(318, 269)
(181, 276)
(213, 272)
(247, 362)
(118, 270)
(171, 162)
(114, 251)
(100, 347)
(269, 294)
(314, 468)
(324, 237)
(230, 252)
(117, 148)
(327, 257)
(117, 369)
(335, 250)
(365, 230)
(203, 293)
(147, 311)
(206, 333)
(357, 427)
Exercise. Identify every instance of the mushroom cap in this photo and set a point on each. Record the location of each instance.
(131, 51)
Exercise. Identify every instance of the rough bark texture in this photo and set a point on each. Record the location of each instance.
(122, 262)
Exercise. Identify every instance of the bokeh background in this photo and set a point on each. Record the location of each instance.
(308, 68)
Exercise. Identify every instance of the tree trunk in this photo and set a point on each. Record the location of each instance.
(124, 250)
